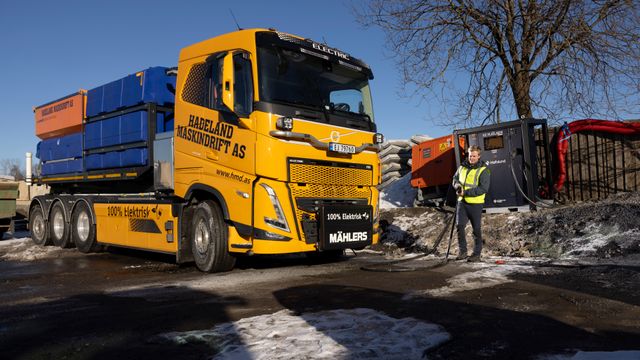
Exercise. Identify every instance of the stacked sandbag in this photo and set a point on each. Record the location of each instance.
(395, 158)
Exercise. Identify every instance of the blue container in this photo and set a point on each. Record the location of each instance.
(134, 127)
(150, 85)
(69, 146)
(111, 131)
(93, 135)
(94, 161)
(62, 167)
(42, 151)
(125, 129)
(164, 122)
(134, 157)
(111, 159)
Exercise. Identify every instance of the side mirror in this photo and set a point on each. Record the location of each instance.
(227, 82)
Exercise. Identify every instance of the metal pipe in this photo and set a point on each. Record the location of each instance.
(28, 168)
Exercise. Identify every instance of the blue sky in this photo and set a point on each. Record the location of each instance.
(53, 48)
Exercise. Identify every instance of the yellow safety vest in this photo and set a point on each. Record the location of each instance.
(469, 179)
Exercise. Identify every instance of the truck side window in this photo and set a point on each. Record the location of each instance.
(195, 91)
(215, 85)
(243, 84)
(204, 84)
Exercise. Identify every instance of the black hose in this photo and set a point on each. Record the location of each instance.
(515, 180)
(390, 266)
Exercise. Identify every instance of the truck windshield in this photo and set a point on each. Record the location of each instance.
(293, 76)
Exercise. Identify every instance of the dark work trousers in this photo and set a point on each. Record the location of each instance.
(464, 213)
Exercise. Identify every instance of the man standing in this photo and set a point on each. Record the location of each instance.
(471, 183)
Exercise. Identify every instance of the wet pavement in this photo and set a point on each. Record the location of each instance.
(57, 303)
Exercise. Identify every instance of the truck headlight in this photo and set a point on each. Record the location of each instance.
(284, 123)
(281, 221)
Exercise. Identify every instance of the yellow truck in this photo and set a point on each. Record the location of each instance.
(259, 142)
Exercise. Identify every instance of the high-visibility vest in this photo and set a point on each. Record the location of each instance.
(469, 179)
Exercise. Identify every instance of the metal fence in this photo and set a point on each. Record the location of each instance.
(597, 165)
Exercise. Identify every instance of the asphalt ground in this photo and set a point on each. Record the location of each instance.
(112, 305)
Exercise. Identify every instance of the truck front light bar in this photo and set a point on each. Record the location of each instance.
(308, 138)
(281, 221)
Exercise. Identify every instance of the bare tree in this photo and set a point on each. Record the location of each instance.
(542, 58)
(12, 167)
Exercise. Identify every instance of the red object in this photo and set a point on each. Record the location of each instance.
(433, 162)
(500, 262)
(565, 132)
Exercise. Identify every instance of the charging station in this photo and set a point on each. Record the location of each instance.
(509, 150)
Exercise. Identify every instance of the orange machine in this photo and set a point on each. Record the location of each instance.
(433, 164)
(60, 117)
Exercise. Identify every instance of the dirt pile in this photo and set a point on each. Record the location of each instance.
(608, 228)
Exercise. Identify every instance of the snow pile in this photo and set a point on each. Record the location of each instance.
(598, 237)
(23, 249)
(333, 334)
(398, 194)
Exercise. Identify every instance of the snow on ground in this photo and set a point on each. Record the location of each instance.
(398, 194)
(23, 249)
(481, 275)
(333, 334)
(598, 236)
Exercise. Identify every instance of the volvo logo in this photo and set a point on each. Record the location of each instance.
(335, 136)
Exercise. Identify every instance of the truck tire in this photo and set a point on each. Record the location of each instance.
(58, 227)
(83, 230)
(209, 235)
(38, 227)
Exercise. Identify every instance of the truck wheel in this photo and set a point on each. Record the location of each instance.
(38, 227)
(58, 227)
(209, 234)
(83, 230)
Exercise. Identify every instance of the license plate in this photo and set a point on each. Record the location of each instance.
(345, 227)
(342, 148)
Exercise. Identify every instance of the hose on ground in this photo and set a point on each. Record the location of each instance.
(391, 266)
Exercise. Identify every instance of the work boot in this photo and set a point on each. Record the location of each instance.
(461, 257)
(474, 258)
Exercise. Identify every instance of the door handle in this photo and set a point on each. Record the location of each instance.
(213, 155)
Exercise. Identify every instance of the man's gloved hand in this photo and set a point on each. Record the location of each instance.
(458, 188)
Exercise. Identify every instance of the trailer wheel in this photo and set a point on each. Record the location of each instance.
(38, 227)
(83, 230)
(209, 234)
(58, 227)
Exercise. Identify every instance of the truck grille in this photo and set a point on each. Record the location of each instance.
(325, 182)
(333, 173)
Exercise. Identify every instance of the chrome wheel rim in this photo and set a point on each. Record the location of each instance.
(58, 224)
(83, 226)
(38, 227)
(202, 237)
